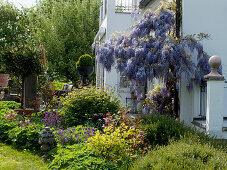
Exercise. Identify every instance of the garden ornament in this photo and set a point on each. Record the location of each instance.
(46, 140)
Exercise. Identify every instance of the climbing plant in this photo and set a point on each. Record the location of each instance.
(152, 50)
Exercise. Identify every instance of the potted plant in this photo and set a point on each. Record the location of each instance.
(85, 67)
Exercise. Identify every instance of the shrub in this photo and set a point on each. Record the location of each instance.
(97, 120)
(183, 155)
(26, 137)
(85, 60)
(6, 106)
(5, 127)
(160, 129)
(81, 104)
(119, 144)
(79, 157)
(74, 135)
(47, 91)
(58, 85)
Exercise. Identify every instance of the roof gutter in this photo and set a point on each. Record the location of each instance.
(100, 34)
(144, 3)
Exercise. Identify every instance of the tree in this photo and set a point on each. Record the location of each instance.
(11, 28)
(152, 50)
(67, 29)
(22, 61)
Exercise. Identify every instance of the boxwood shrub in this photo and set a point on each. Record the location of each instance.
(82, 104)
(183, 155)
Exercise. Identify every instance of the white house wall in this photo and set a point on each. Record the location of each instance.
(116, 22)
(205, 16)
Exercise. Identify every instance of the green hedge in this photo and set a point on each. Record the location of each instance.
(183, 155)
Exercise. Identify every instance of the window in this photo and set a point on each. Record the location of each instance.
(126, 6)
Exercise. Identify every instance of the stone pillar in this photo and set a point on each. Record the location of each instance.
(30, 91)
(215, 99)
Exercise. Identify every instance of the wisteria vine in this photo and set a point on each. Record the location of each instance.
(151, 50)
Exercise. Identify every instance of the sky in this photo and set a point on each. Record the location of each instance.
(24, 3)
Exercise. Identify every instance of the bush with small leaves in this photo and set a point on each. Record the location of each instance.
(82, 104)
(160, 129)
(85, 60)
(118, 144)
(184, 154)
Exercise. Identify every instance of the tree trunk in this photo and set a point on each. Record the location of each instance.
(178, 35)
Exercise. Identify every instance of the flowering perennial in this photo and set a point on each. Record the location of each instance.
(151, 50)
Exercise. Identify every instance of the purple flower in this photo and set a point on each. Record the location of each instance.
(100, 120)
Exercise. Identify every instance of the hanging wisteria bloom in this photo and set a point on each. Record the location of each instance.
(151, 50)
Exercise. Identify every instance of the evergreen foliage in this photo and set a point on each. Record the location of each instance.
(84, 60)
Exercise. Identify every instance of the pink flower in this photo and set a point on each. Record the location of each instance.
(27, 121)
(22, 125)
(21, 121)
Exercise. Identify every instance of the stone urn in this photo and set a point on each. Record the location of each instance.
(85, 72)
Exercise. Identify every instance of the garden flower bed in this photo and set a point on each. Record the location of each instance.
(93, 132)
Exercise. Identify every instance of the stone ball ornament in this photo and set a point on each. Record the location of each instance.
(215, 63)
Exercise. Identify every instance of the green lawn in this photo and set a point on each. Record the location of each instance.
(11, 159)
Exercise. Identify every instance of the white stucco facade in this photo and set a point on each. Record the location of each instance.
(206, 16)
(113, 22)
